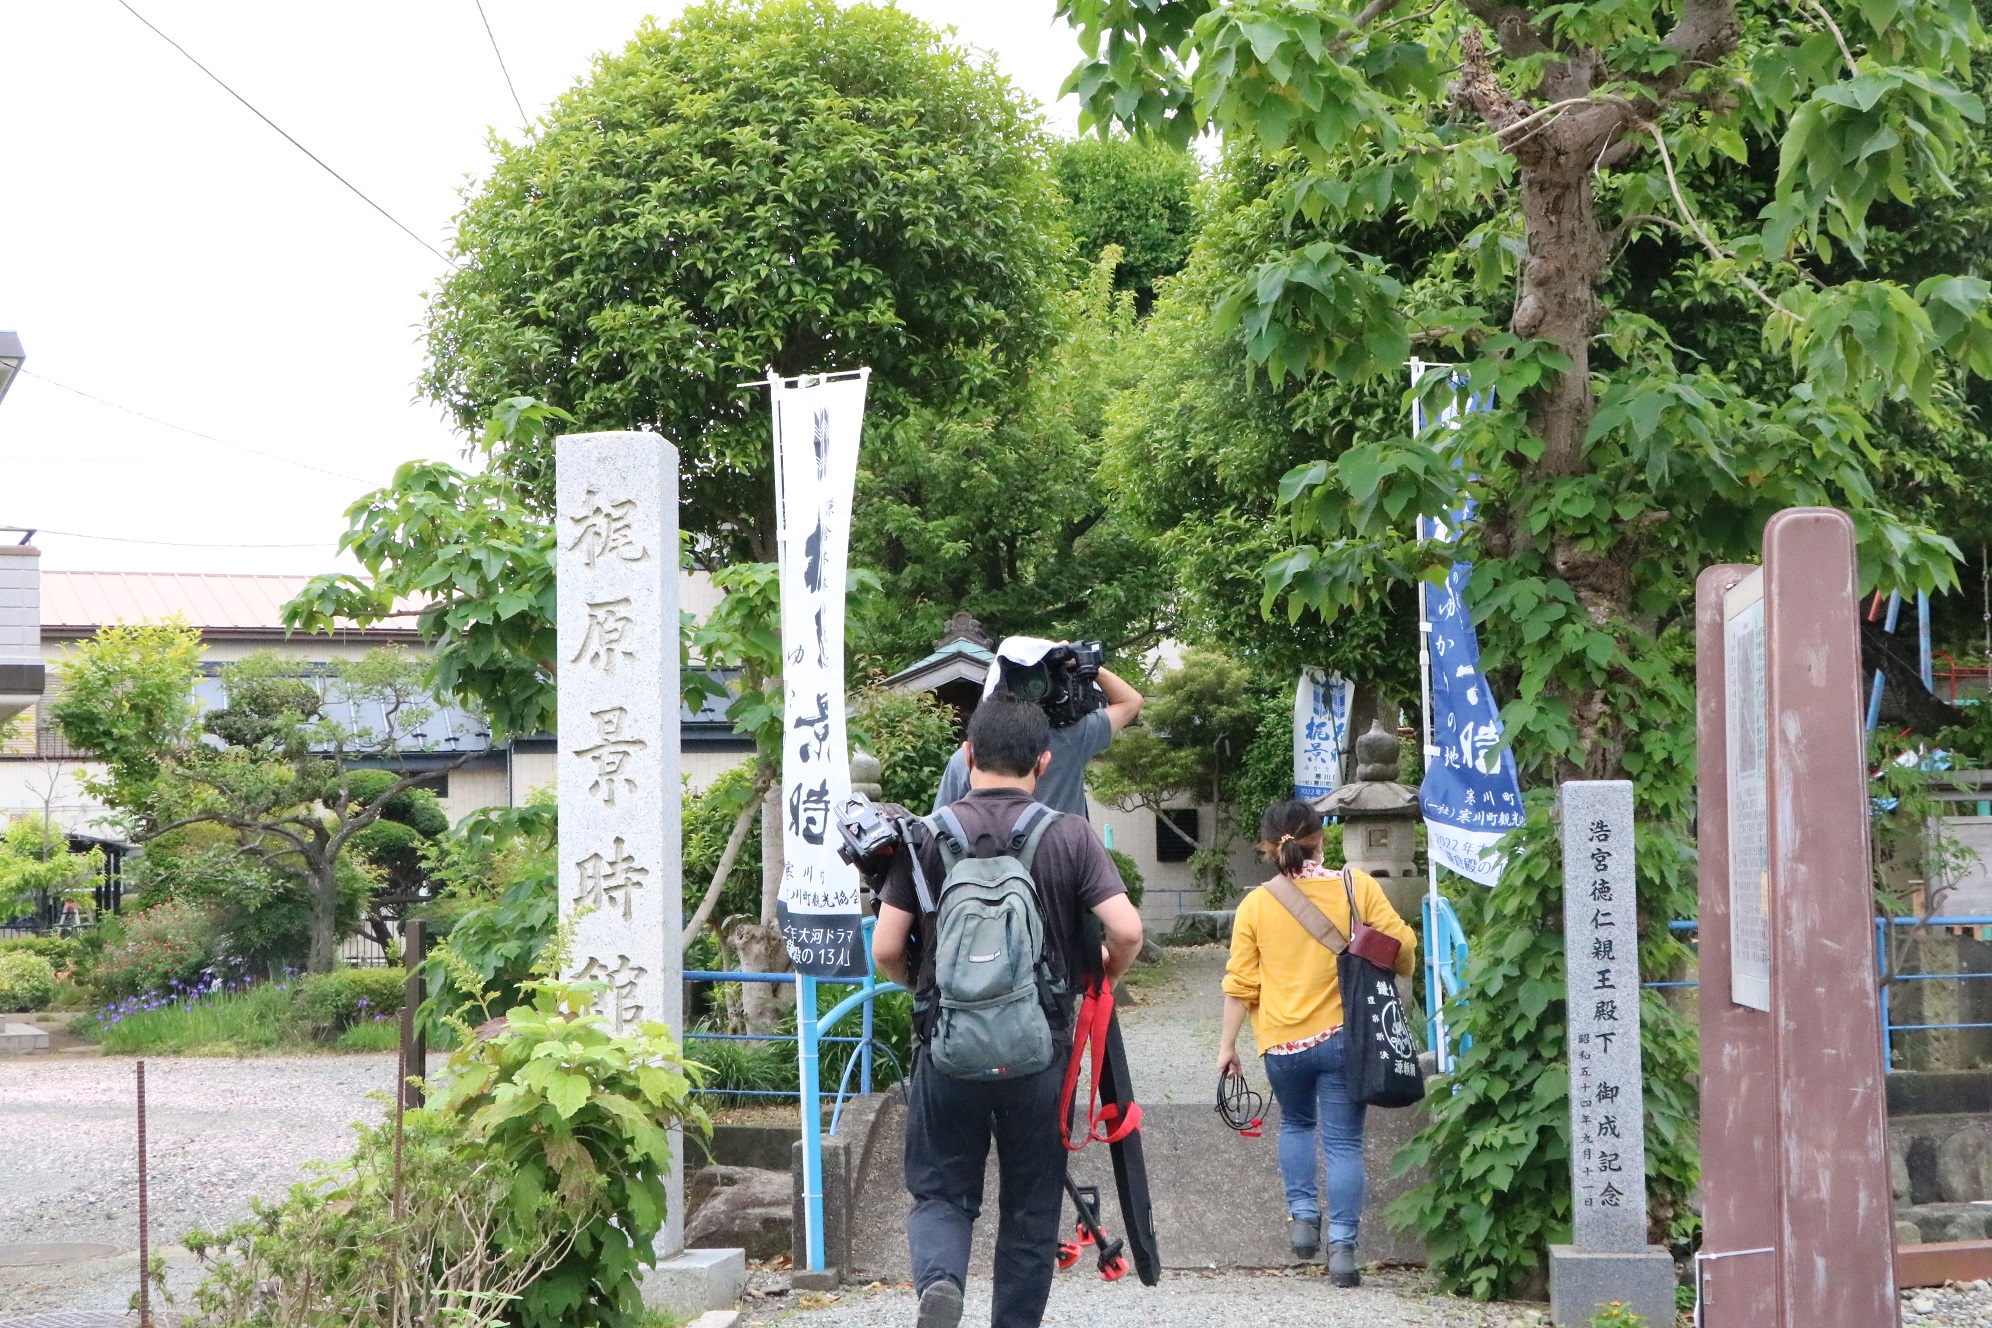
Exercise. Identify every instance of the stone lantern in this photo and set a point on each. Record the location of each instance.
(1379, 819)
(866, 772)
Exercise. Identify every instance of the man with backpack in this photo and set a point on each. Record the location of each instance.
(985, 921)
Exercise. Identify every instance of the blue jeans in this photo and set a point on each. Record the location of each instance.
(1313, 1093)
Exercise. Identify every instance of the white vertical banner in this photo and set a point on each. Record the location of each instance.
(818, 421)
(1320, 732)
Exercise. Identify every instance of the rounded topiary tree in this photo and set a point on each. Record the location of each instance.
(791, 184)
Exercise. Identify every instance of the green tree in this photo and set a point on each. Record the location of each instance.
(1001, 512)
(789, 184)
(1138, 196)
(38, 870)
(297, 765)
(1467, 180)
(1199, 723)
(125, 697)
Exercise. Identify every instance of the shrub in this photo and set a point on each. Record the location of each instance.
(1130, 874)
(458, 1251)
(330, 1003)
(912, 735)
(174, 942)
(581, 1117)
(62, 952)
(27, 981)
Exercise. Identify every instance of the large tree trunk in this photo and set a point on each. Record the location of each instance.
(323, 884)
(1567, 256)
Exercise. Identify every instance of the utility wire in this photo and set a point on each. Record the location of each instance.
(181, 428)
(171, 544)
(525, 121)
(287, 138)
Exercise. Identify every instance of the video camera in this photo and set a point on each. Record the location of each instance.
(1064, 681)
(871, 837)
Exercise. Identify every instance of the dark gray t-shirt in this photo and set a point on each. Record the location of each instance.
(1063, 787)
(1072, 871)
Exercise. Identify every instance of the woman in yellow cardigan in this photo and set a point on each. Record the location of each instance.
(1285, 979)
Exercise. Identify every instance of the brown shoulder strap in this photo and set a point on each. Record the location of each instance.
(1304, 911)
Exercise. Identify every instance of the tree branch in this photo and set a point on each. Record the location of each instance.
(1375, 10)
(734, 842)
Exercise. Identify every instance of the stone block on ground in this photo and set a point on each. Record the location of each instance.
(1939, 1222)
(1582, 1280)
(17, 1039)
(1964, 1164)
(745, 1207)
(692, 1282)
(1208, 927)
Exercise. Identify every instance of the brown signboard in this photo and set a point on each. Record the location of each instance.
(1797, 1222)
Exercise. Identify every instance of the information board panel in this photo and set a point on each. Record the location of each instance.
(1749, 808)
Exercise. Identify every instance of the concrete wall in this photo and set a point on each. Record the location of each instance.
(1169, 889)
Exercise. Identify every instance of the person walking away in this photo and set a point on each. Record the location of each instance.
(1074, 742)
(950, 1121)
(1286, 980)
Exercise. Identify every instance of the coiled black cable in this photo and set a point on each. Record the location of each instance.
(1239, 1106)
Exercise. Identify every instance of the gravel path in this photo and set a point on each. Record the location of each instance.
(1198, 1300)
(220, 1131)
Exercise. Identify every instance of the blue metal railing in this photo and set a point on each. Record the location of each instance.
(1889, 1028)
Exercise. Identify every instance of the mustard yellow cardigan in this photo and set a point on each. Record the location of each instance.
(1287, 977)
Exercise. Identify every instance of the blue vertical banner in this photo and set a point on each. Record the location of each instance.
(1471, 795)
(1320, 732)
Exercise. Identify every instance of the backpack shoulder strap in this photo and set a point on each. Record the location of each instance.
(1312, 920)
(1349, 888)
(948, 836)
(1024, 840)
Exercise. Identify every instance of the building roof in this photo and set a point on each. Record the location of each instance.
(81, 602)
(958, 660)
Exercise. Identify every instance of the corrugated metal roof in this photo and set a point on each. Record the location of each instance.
(81, 601)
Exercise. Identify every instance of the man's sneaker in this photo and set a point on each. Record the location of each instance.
(1304, 1235)
(940, 1305)
(1342, 1269)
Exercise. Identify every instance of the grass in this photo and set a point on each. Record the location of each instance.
(262, 1020)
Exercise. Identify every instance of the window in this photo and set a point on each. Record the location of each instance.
(1169, 845)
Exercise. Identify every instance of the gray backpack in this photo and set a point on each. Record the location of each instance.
(989, 1013)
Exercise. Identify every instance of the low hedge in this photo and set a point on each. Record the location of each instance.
(330, 1003)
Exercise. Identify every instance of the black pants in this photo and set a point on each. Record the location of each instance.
(949, 1123)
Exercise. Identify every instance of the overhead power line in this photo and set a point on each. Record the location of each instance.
(287, 138)
(525, 121)
(170, 544)
(181, 428)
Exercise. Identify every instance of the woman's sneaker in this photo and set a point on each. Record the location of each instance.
(1304, 1235)
(940, 1305)
(1342, 1269)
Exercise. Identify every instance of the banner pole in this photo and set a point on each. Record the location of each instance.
(812, 1122)
(1435, 997)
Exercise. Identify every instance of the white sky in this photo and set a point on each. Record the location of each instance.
(163, 249)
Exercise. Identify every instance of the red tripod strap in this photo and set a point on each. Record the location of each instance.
(1106, 1123)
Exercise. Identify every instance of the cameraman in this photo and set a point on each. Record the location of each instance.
(950, 1121)
(1063, 786)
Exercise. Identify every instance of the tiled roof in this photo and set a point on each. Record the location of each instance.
(79, 601)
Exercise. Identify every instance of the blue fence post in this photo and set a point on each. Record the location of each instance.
(812, 1123)
(865, 1047)
(1874, 695)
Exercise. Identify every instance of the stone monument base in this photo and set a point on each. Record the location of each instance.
(691, 1282)
(1582, 1280)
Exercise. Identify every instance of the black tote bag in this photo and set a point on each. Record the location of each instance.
(1381, 1061)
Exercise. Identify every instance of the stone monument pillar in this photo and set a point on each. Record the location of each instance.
(620, 836)
(1796, 1203)
(1608, 1258)
(1380, 821)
